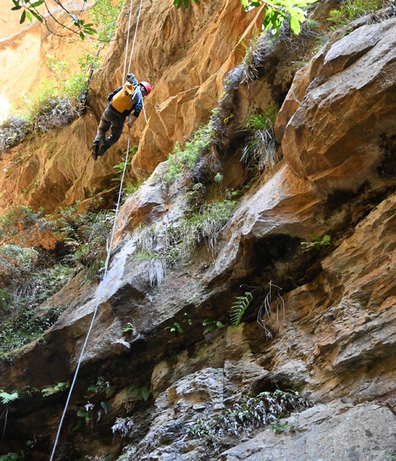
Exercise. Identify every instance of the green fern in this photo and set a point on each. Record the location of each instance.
(239, 307)
(6, 398)
(211, 325)
(54, 390)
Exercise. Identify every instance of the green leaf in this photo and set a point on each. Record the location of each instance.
(239, 307)
(23, 17)
(36, 4)
(36, 15)
(294, 25)
(7, 398)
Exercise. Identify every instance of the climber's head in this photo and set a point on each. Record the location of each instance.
(145, 87)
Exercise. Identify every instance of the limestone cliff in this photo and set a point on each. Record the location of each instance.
(320, 322)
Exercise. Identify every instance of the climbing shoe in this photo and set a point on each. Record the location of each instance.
(102, 149)
(97, 146)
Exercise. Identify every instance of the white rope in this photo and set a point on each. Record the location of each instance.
(127, 41)
(109, 246)
(134, 37)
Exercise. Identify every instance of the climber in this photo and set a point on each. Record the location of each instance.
(120, 106)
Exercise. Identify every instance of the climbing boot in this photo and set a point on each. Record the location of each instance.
(102, 149)
(96, 148)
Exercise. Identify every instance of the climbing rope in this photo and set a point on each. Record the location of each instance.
(109, 242)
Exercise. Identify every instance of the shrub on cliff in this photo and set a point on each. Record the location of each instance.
(13, 131)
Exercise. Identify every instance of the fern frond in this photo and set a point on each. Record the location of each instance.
(239, 307)
(7, 398)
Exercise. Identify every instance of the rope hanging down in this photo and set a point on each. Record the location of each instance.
(109, 243)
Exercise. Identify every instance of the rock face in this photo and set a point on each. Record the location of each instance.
(25, 48)
(329, 432)
(321, 322)
(347, 106)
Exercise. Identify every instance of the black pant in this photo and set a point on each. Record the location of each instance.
(109, 119)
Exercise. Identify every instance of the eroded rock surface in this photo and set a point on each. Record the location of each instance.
(327, 316)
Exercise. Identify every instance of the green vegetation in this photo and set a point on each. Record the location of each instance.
(211, 325)
(277, 11)
(103, 16)
(239, 307)
(260, 149)
(60, 387)
(24, 326)
(316, 242)
(284, 427)
(20, 224)
(177, 328)
(181, 161)
(138, 391)
(129, 328)
(353, 9)
(100, 386)
(165, 245)
(55, 103)
(6, 398)
(123, 426)
(29, 276)
(243, 418)
(13, 456)
(129, 186)
(85, 236)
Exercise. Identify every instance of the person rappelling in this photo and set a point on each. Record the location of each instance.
(122, 102)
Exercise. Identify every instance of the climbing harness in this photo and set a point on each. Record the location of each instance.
(109, 243)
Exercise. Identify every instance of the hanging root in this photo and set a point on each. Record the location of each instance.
(273, 304)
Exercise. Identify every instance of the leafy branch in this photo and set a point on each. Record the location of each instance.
(30, 11)
(276, 12)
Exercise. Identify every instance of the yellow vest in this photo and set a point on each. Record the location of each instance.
(123, 99)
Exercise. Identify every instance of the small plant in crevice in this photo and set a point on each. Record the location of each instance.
(138, 391)
(316, 242)
(212, 325)
(354, 9)
(239, 307)
(285, 427)
(13, 131)
(244, 417)
(273, 304)
(184, 160)
(100, 386)
(60, 387)
(13, 456)
(6, 397)
(91, 413)
(129, 328)
(177, 328)
(25, 325)
(163, 245)
(255, 55)
(123, 426)
(260, 149)
(119, 168)
(85, 237)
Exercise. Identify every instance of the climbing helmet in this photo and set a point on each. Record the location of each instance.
(146, 86)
